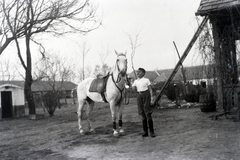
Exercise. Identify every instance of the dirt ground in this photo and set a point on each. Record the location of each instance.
(183, 133)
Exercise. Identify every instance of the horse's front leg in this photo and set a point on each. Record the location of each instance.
(79, 112)
(114, 117)
(121, 131)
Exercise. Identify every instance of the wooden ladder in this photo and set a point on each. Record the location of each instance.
(193, 40)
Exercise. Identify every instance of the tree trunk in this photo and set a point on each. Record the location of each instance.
(29, 95)
(28, 79)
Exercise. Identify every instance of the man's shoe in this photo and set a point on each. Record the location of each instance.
(152, 135)
(145, 134)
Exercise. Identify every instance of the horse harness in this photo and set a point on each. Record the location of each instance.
(115, 82)
(99, 85)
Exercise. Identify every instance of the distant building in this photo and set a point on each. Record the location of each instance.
(12, 99)
(194, 74)
(46, 86)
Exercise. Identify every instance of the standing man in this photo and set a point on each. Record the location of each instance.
(144, 97)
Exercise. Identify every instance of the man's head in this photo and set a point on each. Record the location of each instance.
(141, 72)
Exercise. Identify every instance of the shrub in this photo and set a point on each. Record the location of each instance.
(51, 101)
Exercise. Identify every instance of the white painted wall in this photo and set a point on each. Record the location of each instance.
(17, 94)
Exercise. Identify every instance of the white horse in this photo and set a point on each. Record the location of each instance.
(113, 95)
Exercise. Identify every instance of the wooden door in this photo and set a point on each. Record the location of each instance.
(6, 99)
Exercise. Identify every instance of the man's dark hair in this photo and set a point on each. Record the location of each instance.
(142, 69)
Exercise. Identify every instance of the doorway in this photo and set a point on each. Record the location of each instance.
(6, 99)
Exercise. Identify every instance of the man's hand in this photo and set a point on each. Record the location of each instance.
(152, 101)
(133, 88)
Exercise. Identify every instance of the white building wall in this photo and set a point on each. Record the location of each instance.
(18, 102)
(17, 94)
(18, 97)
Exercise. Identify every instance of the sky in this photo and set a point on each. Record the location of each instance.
(158, 23)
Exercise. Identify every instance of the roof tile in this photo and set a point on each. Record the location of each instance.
(207, 6)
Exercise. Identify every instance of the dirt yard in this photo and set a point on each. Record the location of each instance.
(182, 134)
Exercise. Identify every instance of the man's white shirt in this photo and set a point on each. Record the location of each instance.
(141, 84)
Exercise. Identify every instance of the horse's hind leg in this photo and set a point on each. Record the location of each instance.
(88, 112)
(79, 112)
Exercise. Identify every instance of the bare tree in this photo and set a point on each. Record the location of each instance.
(103, 55)
(26, 18)
(134, 42)
(54, 71)
(87, 73)
(101, 70)
(97, 70)
(106, 69)
(6, 71)
(85, 50)
(52, 68)
(207, 53)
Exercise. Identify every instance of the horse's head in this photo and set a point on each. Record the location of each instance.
(121, 63)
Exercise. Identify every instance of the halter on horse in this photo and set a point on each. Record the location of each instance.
(113, 94)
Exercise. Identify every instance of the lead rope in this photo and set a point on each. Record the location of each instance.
(121, 90)
(127, 96)
(127, 92)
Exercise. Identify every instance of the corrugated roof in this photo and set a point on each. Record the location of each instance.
(208, 6)
(43, 85)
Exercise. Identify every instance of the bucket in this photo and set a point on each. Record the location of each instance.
(207, 102)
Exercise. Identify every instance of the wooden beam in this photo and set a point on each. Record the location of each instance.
(217, 41)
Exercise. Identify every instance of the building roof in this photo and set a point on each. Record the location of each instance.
(43, 85)
(152, 75)
(193, 72)
(209, 6)
(7, 85)
(161, 78)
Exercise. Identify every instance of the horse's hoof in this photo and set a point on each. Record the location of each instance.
(121, 132)
(92, 131)
(115, 134)
(82, 132)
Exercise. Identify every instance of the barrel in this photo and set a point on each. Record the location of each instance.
(207, 102)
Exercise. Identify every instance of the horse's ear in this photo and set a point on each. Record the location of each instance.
(116, 52)
(125, 52)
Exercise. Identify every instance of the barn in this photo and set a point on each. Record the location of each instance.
(224, 17)
(12, 102)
